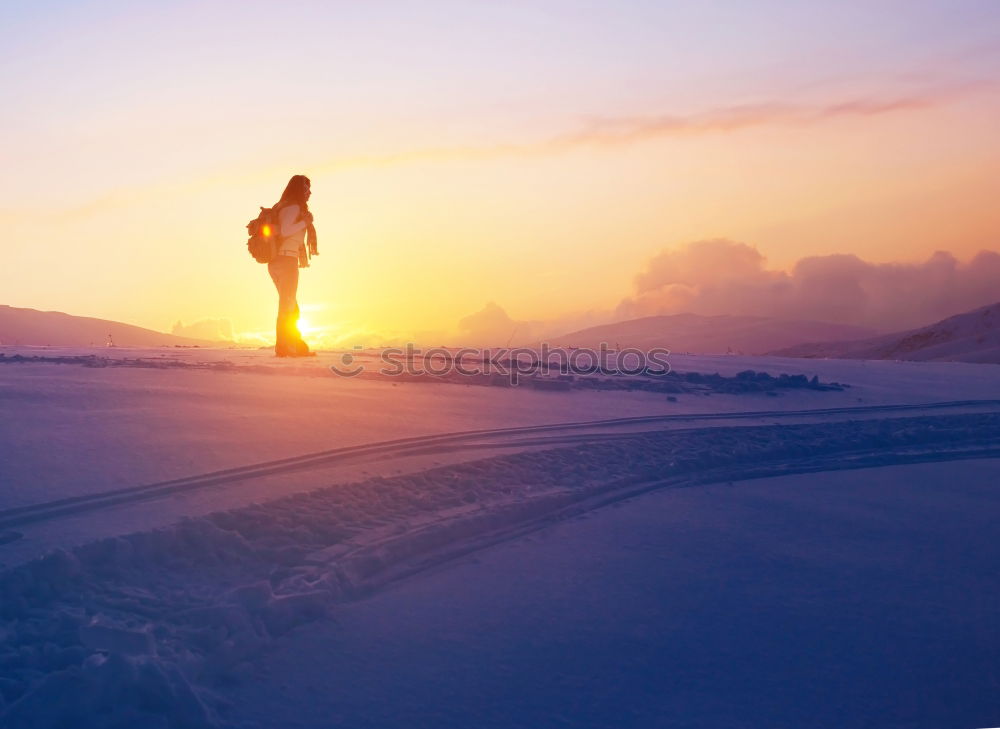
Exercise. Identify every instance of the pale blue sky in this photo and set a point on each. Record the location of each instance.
(378, 76)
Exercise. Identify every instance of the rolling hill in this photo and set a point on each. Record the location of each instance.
(710, 334)
(53, 328)
(970, 337)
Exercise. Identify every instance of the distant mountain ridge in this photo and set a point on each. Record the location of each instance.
(970, 337)
(54, 328)
(710, 334)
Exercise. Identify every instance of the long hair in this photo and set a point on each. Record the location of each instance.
(295, 192)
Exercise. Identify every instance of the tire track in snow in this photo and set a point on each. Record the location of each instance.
(548, 510)
(418, 445)
(210, 593)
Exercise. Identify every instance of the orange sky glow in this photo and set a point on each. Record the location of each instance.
(536, 158)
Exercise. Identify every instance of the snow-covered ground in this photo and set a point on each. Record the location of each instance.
(851, 599)
(73, 431)
(70, 429)
(222, 506)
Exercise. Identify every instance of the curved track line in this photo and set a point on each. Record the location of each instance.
(398, 447)
(433, 558)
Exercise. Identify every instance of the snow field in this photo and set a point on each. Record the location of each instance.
(147, 625)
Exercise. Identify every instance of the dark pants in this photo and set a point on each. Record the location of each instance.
(284, 272)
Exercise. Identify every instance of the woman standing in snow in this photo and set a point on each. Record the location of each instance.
(295, 223)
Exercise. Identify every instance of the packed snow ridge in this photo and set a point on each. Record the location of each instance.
(535, 373)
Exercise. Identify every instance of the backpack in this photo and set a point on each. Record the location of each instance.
(264, 236)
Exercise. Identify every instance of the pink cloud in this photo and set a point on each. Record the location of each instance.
(725, 277)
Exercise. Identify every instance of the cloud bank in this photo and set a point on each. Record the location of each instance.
(721, 276)
(491, 326)
(216, 330)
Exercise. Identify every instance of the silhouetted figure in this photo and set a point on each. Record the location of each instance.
(296, 244)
